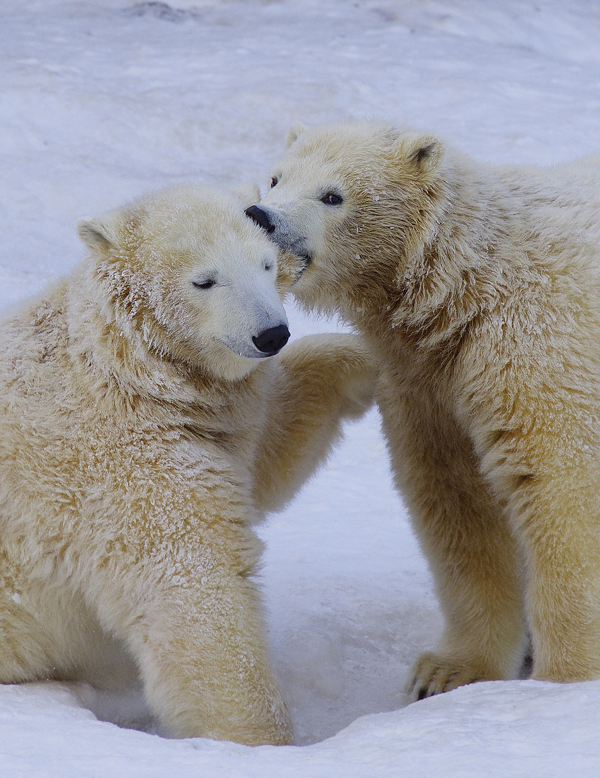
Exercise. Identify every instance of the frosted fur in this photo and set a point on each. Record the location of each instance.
(136, 451)
(479, 290)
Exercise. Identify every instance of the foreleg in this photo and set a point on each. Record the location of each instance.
(321, 381)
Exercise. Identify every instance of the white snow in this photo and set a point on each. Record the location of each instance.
(101, 101)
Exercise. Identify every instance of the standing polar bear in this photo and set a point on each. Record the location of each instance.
(143, 430)
(478, 288)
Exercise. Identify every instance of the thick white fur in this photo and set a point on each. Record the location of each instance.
(137, 448)
(479, 289)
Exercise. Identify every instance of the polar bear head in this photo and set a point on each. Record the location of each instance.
(185, 273)
(350, 201)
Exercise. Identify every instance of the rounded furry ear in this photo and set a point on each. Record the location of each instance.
(247, 194)
(294, 133)
(95, 235)
(423, 153)
(105, 233)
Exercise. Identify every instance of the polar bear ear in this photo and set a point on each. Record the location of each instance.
(423, 153)
(101, 234)
(294, 133)
(247, 194)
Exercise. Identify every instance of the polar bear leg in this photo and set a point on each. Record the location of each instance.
(204, 666)
(192, 622)
(47, 631)
(322, 380)
(555, 512)
(26, 650)
(470, 549)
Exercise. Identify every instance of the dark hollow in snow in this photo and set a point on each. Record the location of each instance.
(160, 11)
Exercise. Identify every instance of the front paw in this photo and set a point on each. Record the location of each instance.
(361, 372)
(434, 674)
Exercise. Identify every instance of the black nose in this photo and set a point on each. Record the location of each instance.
(272, 340)
(256, 213)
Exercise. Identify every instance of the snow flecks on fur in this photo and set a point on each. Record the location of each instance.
(483, 307)
(137, 450)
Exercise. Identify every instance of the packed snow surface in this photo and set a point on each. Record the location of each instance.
(102, 101)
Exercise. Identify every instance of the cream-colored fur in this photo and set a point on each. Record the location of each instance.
(479, 289)
(136, 451)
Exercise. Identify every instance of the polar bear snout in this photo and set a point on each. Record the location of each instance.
(282, 231)
(261, 217)
(271, 341)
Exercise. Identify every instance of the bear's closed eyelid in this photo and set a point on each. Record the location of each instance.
(207, 284)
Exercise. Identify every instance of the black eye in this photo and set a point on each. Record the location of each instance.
(331, 198)
(274, 181)
(268, 267)
(208, 284)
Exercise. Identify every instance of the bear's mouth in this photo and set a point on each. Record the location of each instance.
(304, 260)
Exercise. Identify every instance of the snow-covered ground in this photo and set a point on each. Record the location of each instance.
(101, 101)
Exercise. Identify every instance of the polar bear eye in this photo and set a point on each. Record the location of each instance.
(208, 284)
(331, 198)
(274, 181)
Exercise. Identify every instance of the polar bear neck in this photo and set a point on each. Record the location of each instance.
(456, 267)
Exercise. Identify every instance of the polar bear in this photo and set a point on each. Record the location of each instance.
(478, 289)
(147, 421)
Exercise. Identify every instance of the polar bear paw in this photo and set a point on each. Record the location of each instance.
(434, 674)
(360, 369)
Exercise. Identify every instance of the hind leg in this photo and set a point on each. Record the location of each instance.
(47, 632)
(550, 482)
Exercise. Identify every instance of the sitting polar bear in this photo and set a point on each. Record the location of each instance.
(143, 430)
(479, 290)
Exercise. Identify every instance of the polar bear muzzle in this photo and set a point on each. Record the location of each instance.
(281, 232)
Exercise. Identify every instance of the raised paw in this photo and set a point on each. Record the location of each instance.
(434, 674)
(358, 373)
